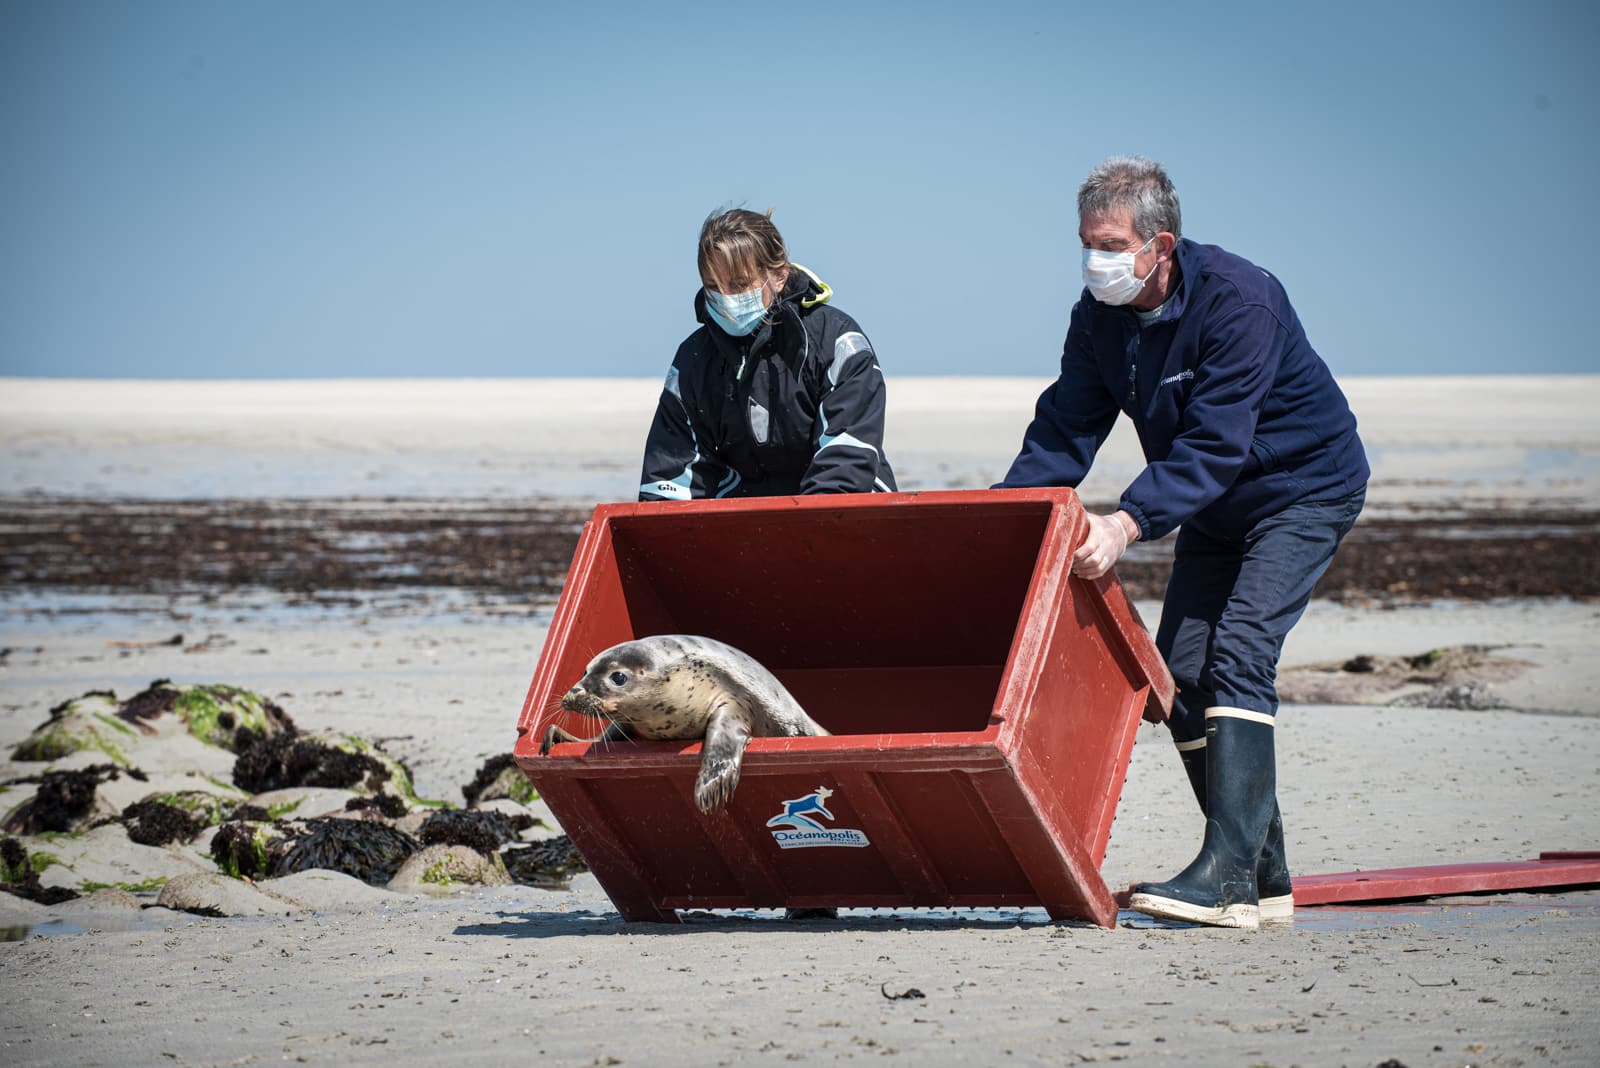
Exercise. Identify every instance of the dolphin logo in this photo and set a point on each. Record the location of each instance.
(794, 812)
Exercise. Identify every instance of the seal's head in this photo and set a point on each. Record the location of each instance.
(632, 685)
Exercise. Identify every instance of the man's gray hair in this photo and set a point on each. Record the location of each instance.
(1137, 185)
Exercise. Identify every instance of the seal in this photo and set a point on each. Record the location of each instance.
(681, 686)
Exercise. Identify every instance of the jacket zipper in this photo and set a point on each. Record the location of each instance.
(1133, 372)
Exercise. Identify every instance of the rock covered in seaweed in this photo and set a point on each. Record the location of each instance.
(485, 832)
(226, 717)
(365, 850)
(323, 759)
(372, 852)
(247, 849)
(332, 803)
(499, 777)
(65, 801)
(85, 723)
(19, 875)
(229, 717)
(164, 818)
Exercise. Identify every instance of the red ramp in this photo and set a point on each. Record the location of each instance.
(1548, 872)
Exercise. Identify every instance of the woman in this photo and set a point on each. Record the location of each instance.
(776, 393)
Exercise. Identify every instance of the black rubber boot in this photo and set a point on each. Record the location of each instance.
(1219, 886)
(1274, 887)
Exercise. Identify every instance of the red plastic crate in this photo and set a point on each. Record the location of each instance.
(983, 704)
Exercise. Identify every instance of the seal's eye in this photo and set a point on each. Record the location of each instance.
(619, 678)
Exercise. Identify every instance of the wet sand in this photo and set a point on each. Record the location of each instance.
(504, 973)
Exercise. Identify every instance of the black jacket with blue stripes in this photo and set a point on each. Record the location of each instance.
(795, 407)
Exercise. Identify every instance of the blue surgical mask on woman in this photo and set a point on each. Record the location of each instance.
(736, 313)
(1110, 277)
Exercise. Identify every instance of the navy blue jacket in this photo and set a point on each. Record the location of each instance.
(1238, 415)
(794, 407)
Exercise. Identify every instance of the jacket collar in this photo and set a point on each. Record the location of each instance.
(802, 292)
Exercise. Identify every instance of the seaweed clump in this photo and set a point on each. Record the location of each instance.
(152, 701)
(482, 831)
(246, 849)
(371, 852)
(18, 876)
(387, 806)
(285, 760)
(499, 777)
(153, 822)
(63, 799)
(550, 864)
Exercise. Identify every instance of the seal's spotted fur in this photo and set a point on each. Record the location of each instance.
(679, 686)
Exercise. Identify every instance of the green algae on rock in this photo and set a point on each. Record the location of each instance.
(227, 717)
(251, 770)
(230, 717)
(88, 722)
(444, 869)
(19, 876)
(147, 886)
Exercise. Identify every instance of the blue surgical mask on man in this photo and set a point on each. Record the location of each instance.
(736, 313)
(1110, 277)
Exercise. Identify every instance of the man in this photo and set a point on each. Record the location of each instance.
(1252, 449)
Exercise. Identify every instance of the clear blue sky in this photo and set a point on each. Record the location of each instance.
(291, 189)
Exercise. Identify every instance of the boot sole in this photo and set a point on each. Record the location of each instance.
(1277, 908)
(1242, 917)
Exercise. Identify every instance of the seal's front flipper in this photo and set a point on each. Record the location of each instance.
(557, 733)
(727, 734)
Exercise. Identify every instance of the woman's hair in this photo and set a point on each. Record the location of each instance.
(1138, 186)
(736, 245)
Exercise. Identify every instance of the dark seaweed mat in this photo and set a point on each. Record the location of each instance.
(165, 546)
(551, 863)
(63, 798)
(371, 852)
(289, 760)
(155, 823)
(1469, 550)
(483, 831)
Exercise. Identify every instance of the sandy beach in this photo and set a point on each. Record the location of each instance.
(340, 971)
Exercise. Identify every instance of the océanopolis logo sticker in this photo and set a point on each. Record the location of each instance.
(796, 826)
